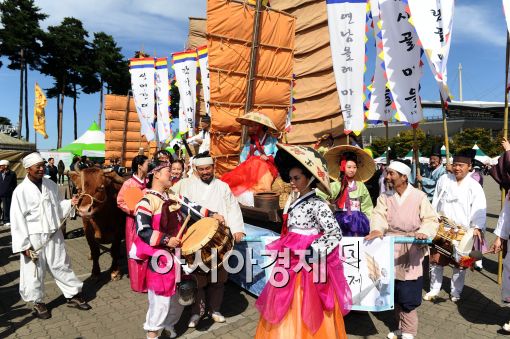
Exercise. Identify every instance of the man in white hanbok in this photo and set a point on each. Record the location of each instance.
(461, 199)
(215, 195)
(36, 211)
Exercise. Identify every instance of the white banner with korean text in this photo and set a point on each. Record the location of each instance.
(402, 60)
(162, 99)
(142, 84)
(203, 61)
(381, 106)
(347, 25)
(185, 68)
(433, 21)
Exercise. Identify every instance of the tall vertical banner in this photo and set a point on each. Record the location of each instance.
(347, 25)
(203, 62)
(506, 10)
(185, 68)
(39, 113)
(162, 99)
(402, 60)
(142, 84)
(381, 106)
(433, 21)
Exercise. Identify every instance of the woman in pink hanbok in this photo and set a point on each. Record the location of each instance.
(131, 192)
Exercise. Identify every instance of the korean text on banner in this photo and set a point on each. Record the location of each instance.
(39, 113)
(369, 270)
(203, 61)
(347, 25)
(162, 99)
(142, 84)
(402, 60)
(433, 21)
(381, 107)
(185, 68)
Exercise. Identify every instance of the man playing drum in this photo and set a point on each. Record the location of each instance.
(215, 195)
(404, 211)
(461, 199)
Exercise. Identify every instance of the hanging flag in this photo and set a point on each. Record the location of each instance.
(203, 61)
(347, 26)
(381, 107)
(162, 99)
(433, 21)
(402, 60)
(142, 84)
(185, 68)
(39, 113)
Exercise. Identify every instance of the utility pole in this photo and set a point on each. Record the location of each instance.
(460, 81)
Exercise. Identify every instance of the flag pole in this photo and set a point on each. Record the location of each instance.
(444, 110)
(387, 143)
(416, 155)
(505, 135)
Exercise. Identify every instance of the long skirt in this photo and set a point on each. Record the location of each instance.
(302, 308)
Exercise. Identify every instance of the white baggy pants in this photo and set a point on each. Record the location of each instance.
(163, 312)
(436, 280)
(52, 257)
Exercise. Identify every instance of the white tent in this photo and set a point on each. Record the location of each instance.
(481, 156)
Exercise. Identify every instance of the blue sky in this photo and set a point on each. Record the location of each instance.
(160, 28)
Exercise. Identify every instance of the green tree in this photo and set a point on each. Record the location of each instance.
(5, 121)
(109, 66)
(174, 103)
(21, 35)
(65, 51)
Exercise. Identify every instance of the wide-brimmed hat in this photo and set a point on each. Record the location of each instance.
(311, 160)
(366, 165)
(258, 118)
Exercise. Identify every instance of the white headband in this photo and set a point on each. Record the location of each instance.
(400, 167)
(32, 159)
(4, 162)
(203, 161)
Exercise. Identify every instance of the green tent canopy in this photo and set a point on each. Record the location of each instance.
(91, 143)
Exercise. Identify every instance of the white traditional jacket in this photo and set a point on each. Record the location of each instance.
(35, 212)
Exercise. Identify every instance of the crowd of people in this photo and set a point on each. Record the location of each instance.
(332, 196)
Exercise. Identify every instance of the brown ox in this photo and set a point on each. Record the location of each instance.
(103, 221)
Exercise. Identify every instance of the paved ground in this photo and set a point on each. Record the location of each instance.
(119, 313)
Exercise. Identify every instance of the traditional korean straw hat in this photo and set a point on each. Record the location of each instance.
(258, 118)
(366, 165)
(311, 160)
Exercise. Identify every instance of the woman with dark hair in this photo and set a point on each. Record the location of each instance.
(301, 308)
(353, 205)
(131, 191)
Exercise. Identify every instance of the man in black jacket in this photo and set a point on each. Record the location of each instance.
(52, 170)
(7, 185)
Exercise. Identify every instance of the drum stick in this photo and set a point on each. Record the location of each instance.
(183, 227)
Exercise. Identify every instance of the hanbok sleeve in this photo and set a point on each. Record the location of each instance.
(478, 208)
(144, 214)
(503, 226)
(366, 201)
(429, 219)
(19, 227)
(234, 216)
(379, 217)
(121, 201)
(64, 205)
(332, 234)
(245, 152)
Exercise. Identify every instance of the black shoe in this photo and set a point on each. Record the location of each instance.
(78, 302)
(40, 311)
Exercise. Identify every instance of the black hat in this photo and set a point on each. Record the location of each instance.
(436, 150)
(465, 156)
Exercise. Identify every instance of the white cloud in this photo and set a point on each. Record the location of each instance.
(134, 24)
(480, 24)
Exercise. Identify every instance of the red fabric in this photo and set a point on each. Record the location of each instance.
(344, 193)
(247, 174)
(285, 228)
